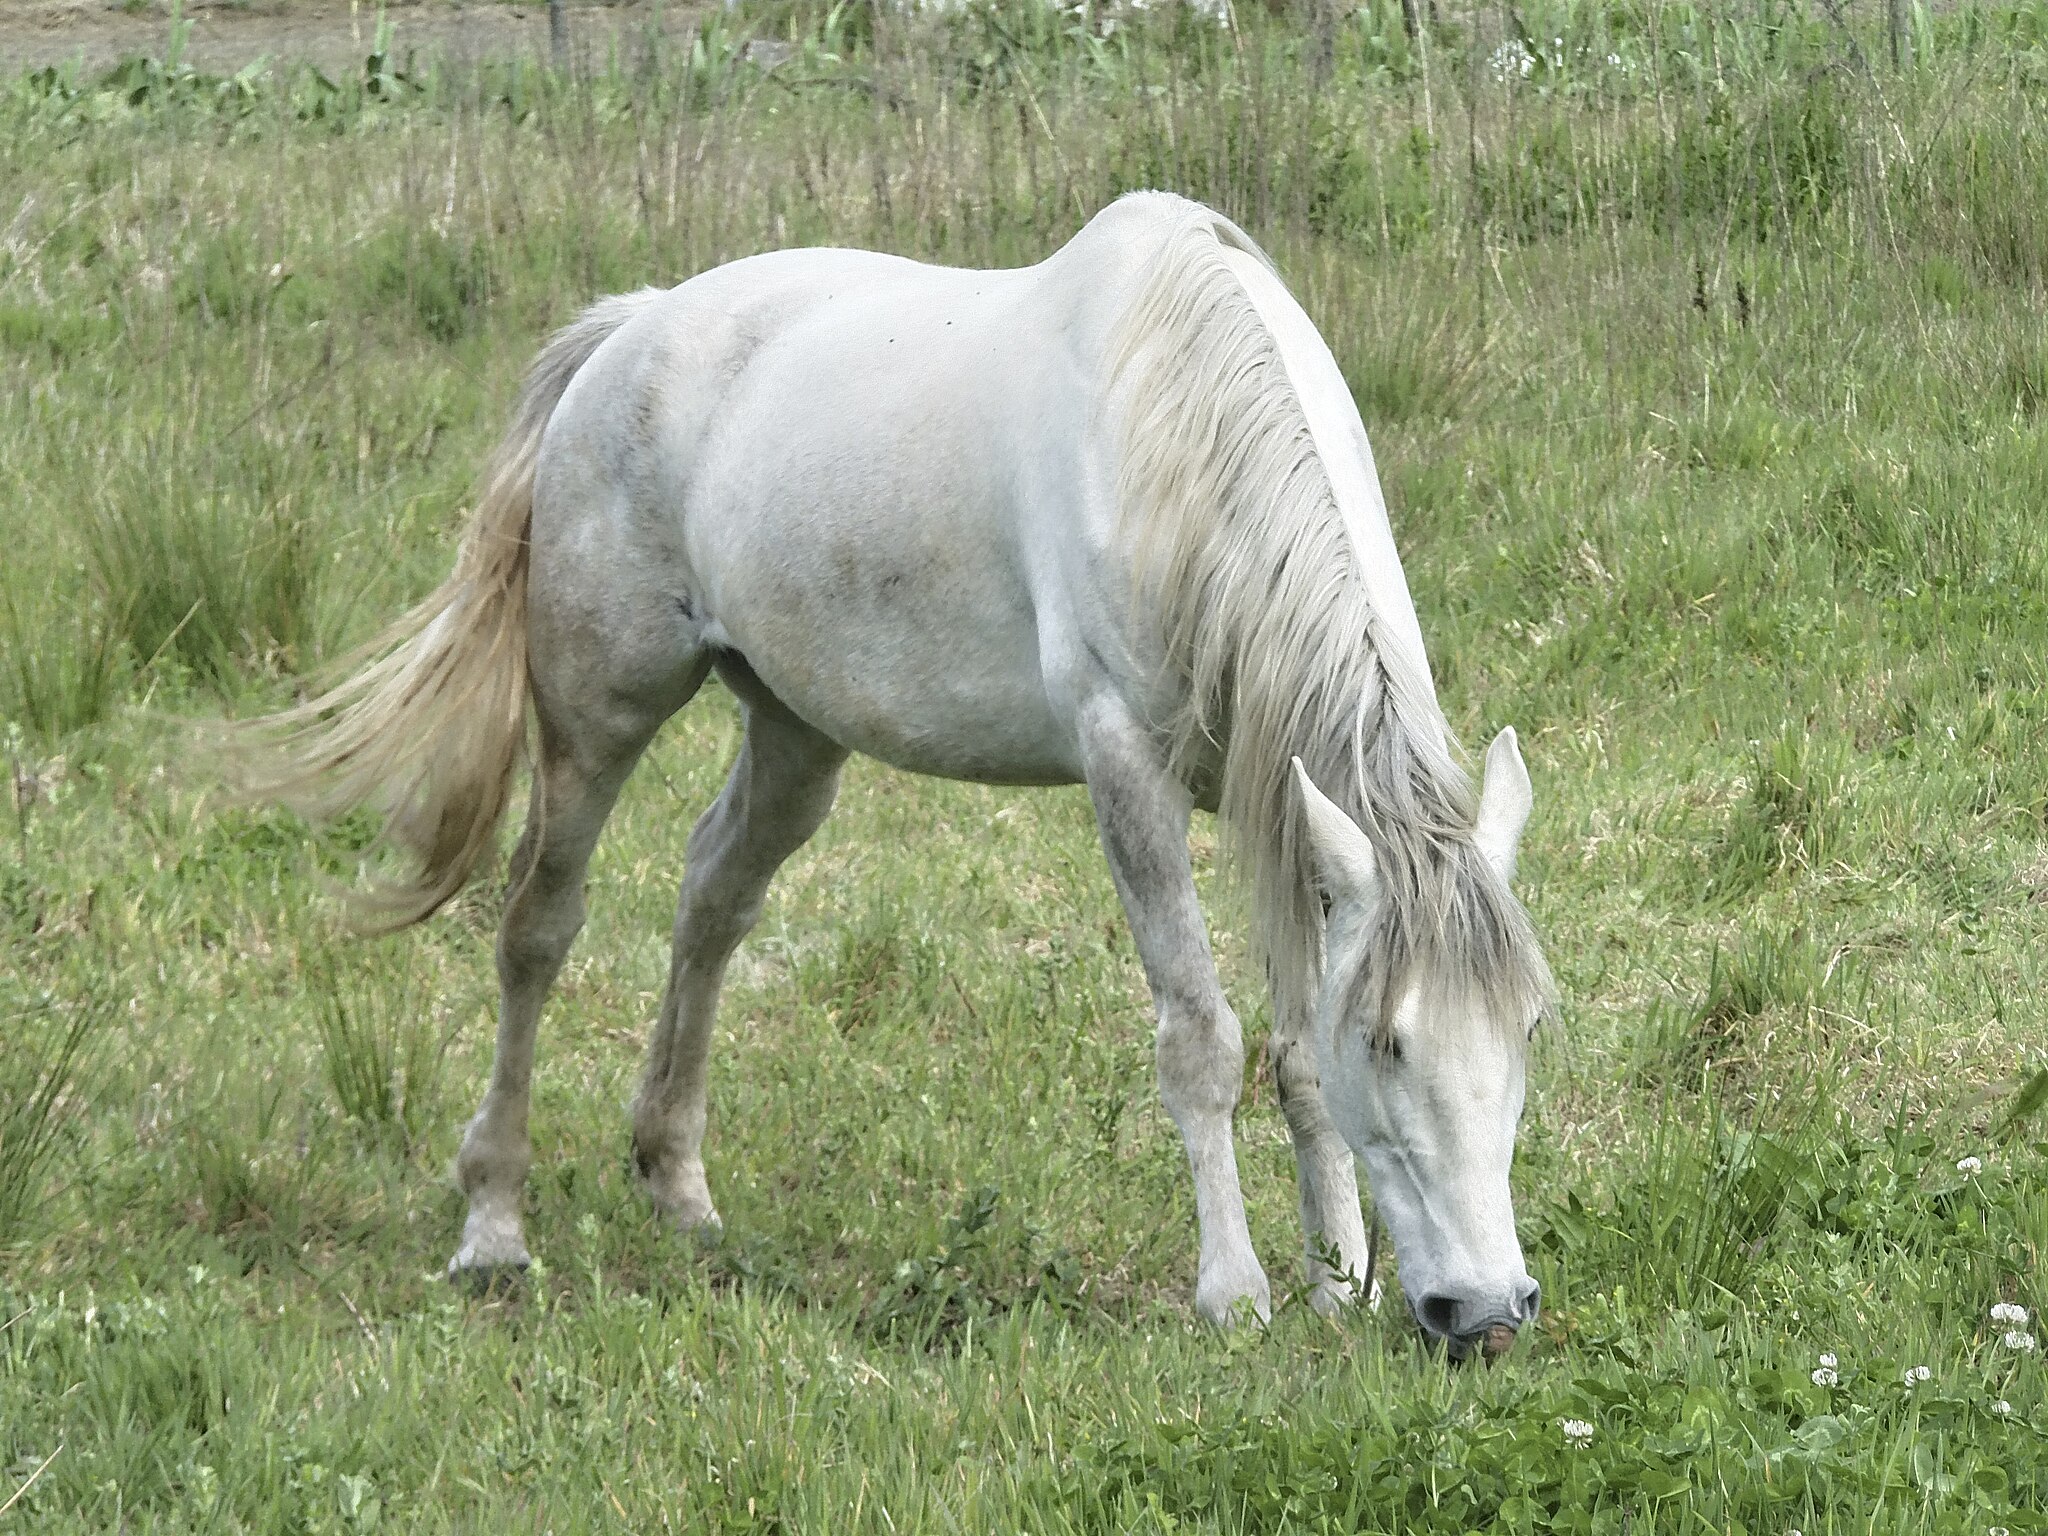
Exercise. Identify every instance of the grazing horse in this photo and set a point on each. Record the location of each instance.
(1111, 519)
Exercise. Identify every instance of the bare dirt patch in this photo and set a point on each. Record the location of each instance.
(332, 34)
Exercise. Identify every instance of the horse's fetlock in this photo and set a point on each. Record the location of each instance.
(490, 1161)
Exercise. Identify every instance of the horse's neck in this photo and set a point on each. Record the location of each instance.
(1346, 455)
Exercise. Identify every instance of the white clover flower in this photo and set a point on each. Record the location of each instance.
(1826, 1377)
(2008, 1312)
(1998, 1530)
(2015, 1339)
(1829, 1361)
(1578, 1434)
(2001, 1408)
(1915, 1374)
(1970, 1165)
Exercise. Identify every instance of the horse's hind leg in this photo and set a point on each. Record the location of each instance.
(583, 765)
(780, 791)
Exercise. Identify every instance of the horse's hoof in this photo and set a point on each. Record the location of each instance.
(707, 1232)
(487, 1279)
(1239, 1299)
(694, 1218)
(478, 1270)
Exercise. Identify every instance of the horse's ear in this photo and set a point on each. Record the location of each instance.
(1504, 801)
(1343, 857)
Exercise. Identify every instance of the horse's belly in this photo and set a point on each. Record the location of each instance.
(989, 745)
(893, 617)
(943, 692)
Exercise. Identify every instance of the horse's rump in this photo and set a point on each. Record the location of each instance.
(428, 721)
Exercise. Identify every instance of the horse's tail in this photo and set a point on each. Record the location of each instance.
(430, 724)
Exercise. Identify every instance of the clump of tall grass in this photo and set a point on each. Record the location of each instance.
(43, 1049)
(1789, 819)
(1412, 357)
(1767, 970)
(877, 971)
(382, 1055)
(1904, 527)
(212, 573)
(257, 1173)
(1767, 974)
(440, 280)
(62, 666)
(1706, 1192)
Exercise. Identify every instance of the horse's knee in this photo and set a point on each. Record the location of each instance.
(1293, 1066)
(1299, 1088)
(1200, 1052)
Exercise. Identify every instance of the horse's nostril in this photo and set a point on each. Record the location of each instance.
(1528, 1302)
(1438, 1314)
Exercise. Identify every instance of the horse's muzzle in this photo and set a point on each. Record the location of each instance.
(1465, 1327)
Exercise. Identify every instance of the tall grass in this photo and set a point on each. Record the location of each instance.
(382, 1054)
(64, 664)
(43, 1051)
(214, 581)
(484, 201)
(1789, 818)
(1708, 1193)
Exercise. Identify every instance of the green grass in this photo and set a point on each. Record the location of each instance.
(1704, 364)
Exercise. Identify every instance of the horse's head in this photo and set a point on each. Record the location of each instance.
(1423, 1072)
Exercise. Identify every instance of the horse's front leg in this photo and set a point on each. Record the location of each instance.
(1332, 1227)
(1143, 815)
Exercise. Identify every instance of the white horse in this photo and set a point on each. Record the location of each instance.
(1110, 519)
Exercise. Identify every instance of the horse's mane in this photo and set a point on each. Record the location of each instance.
(1276, 650)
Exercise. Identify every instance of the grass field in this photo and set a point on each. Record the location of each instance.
(1707, 366)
